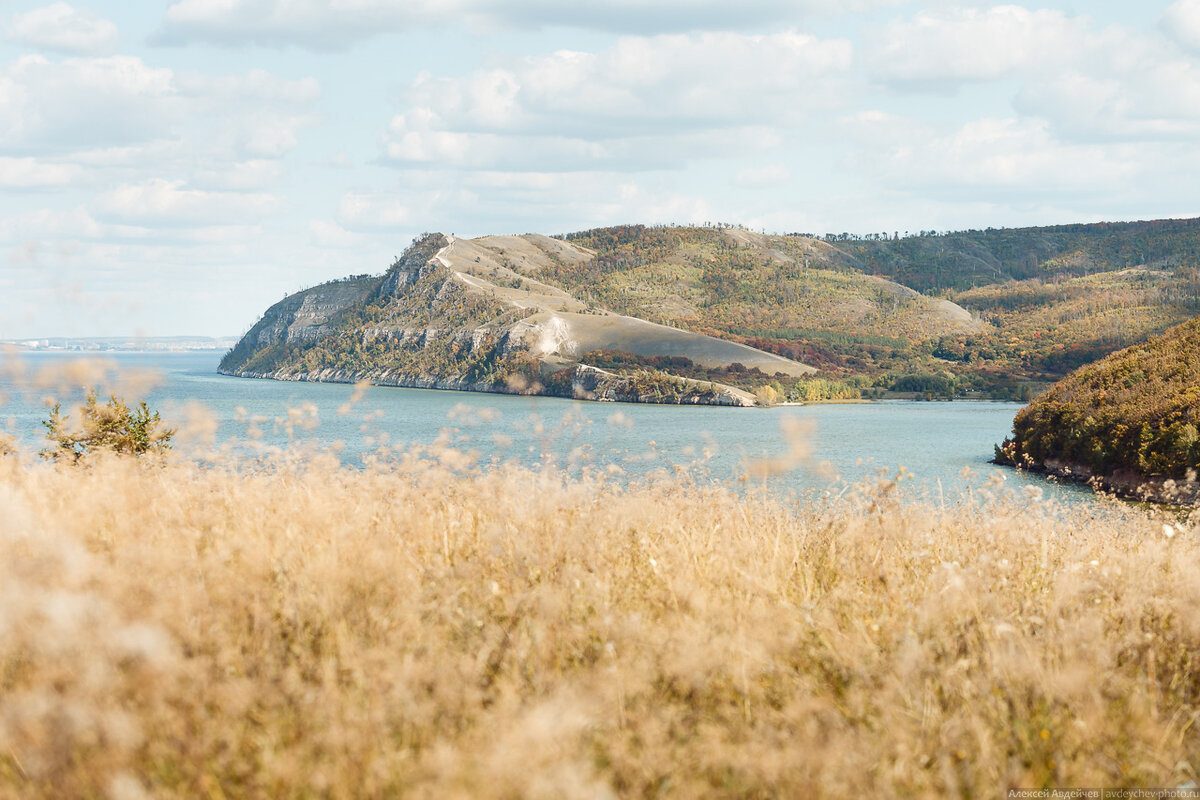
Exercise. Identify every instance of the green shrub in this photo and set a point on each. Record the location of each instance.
(112, 426)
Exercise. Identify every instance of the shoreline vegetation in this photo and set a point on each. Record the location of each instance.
(659, 388)
(1123, 484)
(429, 627)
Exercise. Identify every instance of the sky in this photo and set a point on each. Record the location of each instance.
(175, 167)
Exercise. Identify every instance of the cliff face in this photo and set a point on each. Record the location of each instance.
(302, 317)
(411, 266)
(448, 315)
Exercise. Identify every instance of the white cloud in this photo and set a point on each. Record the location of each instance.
(239, 176)
(1181, 21)
(523, 181)
(1148, 96)
(655, 205)
(317, 24)
(62, 28)
(639, 85)
(762, 177)
(457, 149)
(643, 102)
(336, 24)
(330, 234)
(46, 223)
(161, 203)
(136, 157)
(257, 85)
(48, 105)
(67, 230)
(88, 288)
(254, 115)
(478, 203)
(117, 102)
(1094, 108)
(662, 16)
(943, 49)
(188, 162)
(1090, 83)
(372, 212)
(30, 173)
(990, 158)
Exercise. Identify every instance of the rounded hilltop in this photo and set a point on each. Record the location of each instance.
(1129, 423)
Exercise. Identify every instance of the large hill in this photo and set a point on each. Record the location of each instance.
(472, 314)
(796, 296)
(994, 306)
(1053, 297)
(939, 314)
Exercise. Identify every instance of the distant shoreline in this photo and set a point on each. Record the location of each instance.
(119, 344)
(904, 397)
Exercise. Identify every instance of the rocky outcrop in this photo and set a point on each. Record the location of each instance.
(410, 267)
(591, 383)
(1124, 483)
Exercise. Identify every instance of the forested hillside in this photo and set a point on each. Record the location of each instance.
(1038, 301)
(962, 260)
(1134, 414)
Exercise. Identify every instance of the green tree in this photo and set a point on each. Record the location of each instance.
(111, 426)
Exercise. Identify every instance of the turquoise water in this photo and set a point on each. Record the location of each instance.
(944, 447)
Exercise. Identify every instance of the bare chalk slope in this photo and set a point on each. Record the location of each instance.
(505, 267)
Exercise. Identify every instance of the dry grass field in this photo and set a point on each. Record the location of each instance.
(423, 629)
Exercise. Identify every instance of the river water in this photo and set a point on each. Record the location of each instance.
(942, 447)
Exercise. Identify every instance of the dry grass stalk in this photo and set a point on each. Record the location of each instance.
(309, 630)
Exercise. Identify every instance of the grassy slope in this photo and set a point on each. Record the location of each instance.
(508, 267)
(800, 298)
(409, 629)
(1045, 300)
(1136, 410)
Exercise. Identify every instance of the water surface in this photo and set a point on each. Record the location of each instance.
(943, 447)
